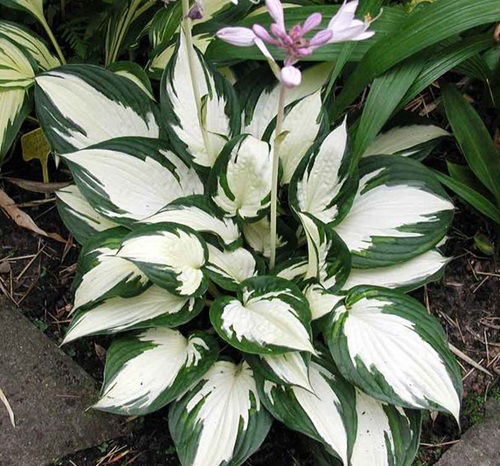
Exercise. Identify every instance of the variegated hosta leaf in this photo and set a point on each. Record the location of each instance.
(145, 372)
(386, 435)
(16, 70)
(241, 181)
(257, 235)
(134, 73)
(33, 7)
(294, 269)
(31, 43)
(322, 184)
(14, 108)
(101, 274)
(301, 125)
(220, 114)
(329, 261)
(78, 215)
(220, 421)
(229, 268)
(260, 112)
(154, 307)
(130, 179)
(405, 276)
(321, 301)
(387, 344)
(81, 105)
(290, 368)
(201, 214)
(399, 211)
(325, 413)
(269, 316)
(404, 140)
(172, 256)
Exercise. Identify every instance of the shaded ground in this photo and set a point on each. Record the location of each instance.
(36, 274)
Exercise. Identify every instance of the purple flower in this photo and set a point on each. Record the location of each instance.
(342, 27)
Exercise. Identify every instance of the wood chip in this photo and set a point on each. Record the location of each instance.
(23, 219)
(6, 403)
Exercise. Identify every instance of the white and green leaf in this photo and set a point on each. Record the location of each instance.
(82, 105)
(30, 43)
(16, 69)
(14, 108)
(221, 420)
(257, 235)
(130, 179)
(201, 214)
(290, 368)
(269, 316)
(220, 119)
(145, 372)
(154, 307)
(241, 180)
(399, 212)
(79, 216)
(172, 256)
(325, 412)
(33, 7)
(229, 268)
(388, 345)
(134, 73)
(323, 181)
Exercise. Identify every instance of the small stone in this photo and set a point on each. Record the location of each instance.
(5, 267)
(479, 446)
(49, 394)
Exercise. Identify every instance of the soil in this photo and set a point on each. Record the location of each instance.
(466, 301)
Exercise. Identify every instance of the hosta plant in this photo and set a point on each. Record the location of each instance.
(230, 323)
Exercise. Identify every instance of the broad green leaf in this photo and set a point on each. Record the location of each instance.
(220, 421)
(145, 372)
(290, 368)
(471, 196)
(221, 118)
(172, 256)
(426, 27)
(385, 94)
(78, 215)
(465, 175)
(241, 179)
(201, 214)
(153, 307)
(81, 105)
(134, 73)
(130, 179)
(404, 140)
(229, 268)
(406, 275)
(31, 43)
(33, 7)
(301, 125)
(223, 52)
(394, 350)
(322, 185)
(329, 261)
(14, 107)
(400, 211)
(445, 60)
(16, 70)
(269, 316)
(474, 139)
(325, 412)
(385, 434)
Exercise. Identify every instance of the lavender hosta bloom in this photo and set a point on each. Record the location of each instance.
(342, 27)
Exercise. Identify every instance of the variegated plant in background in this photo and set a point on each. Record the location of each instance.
(175, 201)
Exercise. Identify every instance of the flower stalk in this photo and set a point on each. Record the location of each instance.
(274, 181)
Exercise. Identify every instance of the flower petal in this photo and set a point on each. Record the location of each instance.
(290, 76)
(239, 36)
(275, 9)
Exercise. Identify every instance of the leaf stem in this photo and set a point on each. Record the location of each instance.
(274, 179)
(186, 27)
(48, 30)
